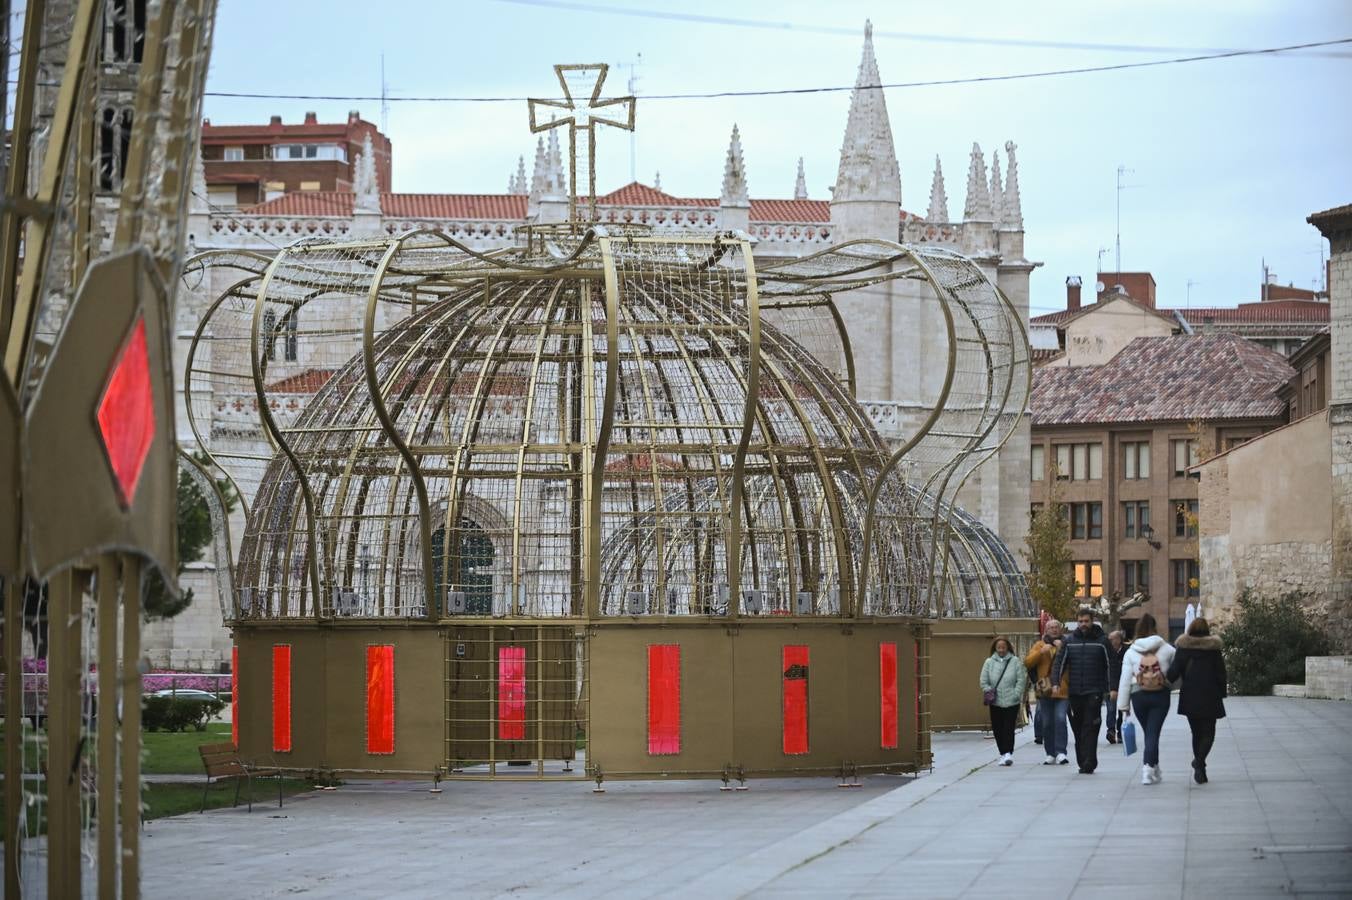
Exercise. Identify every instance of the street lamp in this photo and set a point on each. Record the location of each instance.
(1149, 534)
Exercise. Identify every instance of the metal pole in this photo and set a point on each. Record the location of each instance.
(64, 747)
(131, 727)
(107, 728)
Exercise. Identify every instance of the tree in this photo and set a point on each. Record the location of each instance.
(1051, 577)
(195, 533)
(1268, 641)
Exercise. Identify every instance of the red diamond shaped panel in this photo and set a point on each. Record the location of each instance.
(126, 413)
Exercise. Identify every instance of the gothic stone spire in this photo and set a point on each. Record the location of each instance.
(800, 186)
(516, 184)
(364, 184)
(555, 181)
(1011, 210)
(868, 158)
(734, 174)
(978, 208)
(938, 206)
(997, 190)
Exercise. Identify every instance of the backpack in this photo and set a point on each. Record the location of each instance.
(1149, 677)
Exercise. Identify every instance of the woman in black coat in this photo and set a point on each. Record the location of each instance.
(1199, 663)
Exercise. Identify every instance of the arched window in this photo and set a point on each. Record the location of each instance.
(124, 31)
(472, 557)
(113, 146)
(269, 336)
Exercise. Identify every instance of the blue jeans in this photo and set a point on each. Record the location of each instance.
(1150, 708)
(1051, 711)
(1110, 716)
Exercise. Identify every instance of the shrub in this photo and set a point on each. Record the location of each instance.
(1268, 641)
(178, 713)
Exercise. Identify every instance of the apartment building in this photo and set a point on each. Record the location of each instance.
(1118, 443)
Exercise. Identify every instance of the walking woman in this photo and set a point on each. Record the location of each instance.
(1053, 699)
(1201, 667)
(1144, 689)
(1004, 681)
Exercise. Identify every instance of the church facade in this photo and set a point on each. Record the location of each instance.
(897, 335)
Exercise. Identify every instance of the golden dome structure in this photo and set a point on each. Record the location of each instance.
(604, 496)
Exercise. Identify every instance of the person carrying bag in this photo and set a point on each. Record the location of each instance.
(1003, 685)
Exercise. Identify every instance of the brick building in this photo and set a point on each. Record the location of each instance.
(1123, 438)
(250, 164)
(1125, 308)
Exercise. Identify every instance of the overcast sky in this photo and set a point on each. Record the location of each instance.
(1227, 157)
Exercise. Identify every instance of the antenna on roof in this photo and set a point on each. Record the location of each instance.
(1190, 284)
(633, 136)
(1121, 170)
(384, 99)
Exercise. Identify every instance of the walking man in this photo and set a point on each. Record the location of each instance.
(1085, 660)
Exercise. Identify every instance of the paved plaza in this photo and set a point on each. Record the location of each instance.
(1276, 819)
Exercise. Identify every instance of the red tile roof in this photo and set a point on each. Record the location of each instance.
(307, 382)
(1276, 311)
(1065, 316)
(513, 206)
(397, 206)
(1172, 379)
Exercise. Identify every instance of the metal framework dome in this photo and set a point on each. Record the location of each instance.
(598, 425)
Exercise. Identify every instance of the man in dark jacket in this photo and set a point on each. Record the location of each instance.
(1086, 658)
(1117, 649)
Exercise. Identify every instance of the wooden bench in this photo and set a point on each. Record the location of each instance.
(222, 762)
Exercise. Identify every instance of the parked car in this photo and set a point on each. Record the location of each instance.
(184, 694)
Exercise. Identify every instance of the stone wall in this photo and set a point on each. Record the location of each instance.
(1336, 226)
(1264, 521)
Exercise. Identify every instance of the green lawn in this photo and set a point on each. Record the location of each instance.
(169, 753)
(176, 754)
(175, 799)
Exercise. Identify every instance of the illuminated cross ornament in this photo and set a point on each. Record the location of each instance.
(582, 121)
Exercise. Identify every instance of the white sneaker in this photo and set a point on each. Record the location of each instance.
(1157, 775)
(1147, 775)
(1061, 759)
(1007, 759)
(1049, 761)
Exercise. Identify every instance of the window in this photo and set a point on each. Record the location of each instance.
(1186, 578)
(1185, 518)
(1089, 580)
(1233, 442)
(124, 32)
(1079, 462)
(1135, 577)
(1086, 520)
(1185, 455)
(1033, 510)
(292, 337)
(1062, 462)
(1135, 518)
(309, 151)
(309, 185)
(233, 154)
(114, 145)
(269, 336)
(1136, 460)
(1037, 462)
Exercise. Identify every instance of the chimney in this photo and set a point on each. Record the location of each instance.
(276, 120)
(353, 117)
(311, 119)
(1073, 293)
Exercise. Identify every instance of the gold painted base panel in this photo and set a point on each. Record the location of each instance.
(959, 647)
(586, 699)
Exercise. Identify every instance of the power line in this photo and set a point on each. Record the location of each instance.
(914, 36)
(976, 79)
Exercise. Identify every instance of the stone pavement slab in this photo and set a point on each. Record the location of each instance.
(1276, 819)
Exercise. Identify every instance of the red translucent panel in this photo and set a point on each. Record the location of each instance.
(234, 696)
(664, 699)
(887, 685)
(126, 414)
(795, 698)
(380, 698)
(281, 698)
(511, 693)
